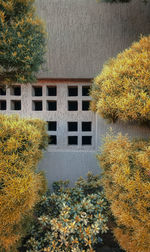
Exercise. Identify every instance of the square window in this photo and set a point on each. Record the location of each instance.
(85, 105)
(86, 140)
(52, 126)
(72, 105)
(72, 126)
(2, 91)
(86, 126)
(51, 91)
(16, 105)
(51, 105)
(37, 105)
(72, 91)
(72, 140)
(85, 90)
(2, 105)
(52, 139)
(36, 91)
(16, 90)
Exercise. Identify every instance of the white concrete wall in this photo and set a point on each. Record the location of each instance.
(72, 164)
(62, 161)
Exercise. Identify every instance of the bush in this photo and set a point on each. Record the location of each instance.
(21, 144)
(22, 42)
(70, 219)
(126, 180)
(122, 90)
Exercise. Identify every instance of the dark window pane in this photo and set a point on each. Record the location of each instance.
(51, 105)
(72, 126)
(51, 91)
(85, 90)
(52, 126)
(86, 126)
(37, 91)
(16, 105)
(2, 105)
(86, 140)
(85, 105)
(72, 140)
(37, 105)
(17, 90)
(52, 140)
(2, 91)
(72, 91)
(72, 105)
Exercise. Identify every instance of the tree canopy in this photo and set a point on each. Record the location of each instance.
(21, 145)
(126, 169)
(122, 90)
(22, 42)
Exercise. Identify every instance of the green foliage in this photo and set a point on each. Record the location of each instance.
(126, 180)
(122, 90)
(70, 219)
(22, 42)
(21, 144)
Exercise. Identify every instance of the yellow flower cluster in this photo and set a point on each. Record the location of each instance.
(122, 90)
(21, 143)
(126, 181)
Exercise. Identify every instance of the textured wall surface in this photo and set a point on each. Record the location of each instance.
(83, 34)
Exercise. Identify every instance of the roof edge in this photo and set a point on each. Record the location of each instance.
(63, 80)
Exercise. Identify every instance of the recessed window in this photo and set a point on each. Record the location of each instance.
(72, 126)
(86, 126)
(52, 91)
(52, 126)
(86, 140)
(51, 105)
(16, 105)
(72, 91)
(16, 90)
(85, 105)
(72, 105)
(52, 139)
(72, 140)
(36, 91)
(2, 91)
(2, 105)
(37, 105)
(85, 90)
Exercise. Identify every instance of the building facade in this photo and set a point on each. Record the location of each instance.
(82, 36)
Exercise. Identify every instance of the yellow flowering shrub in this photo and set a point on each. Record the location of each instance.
(122, 90)
(126, 180)
(22, 42)
(21, 144)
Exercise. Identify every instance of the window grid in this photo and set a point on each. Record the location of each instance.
(60, 131)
